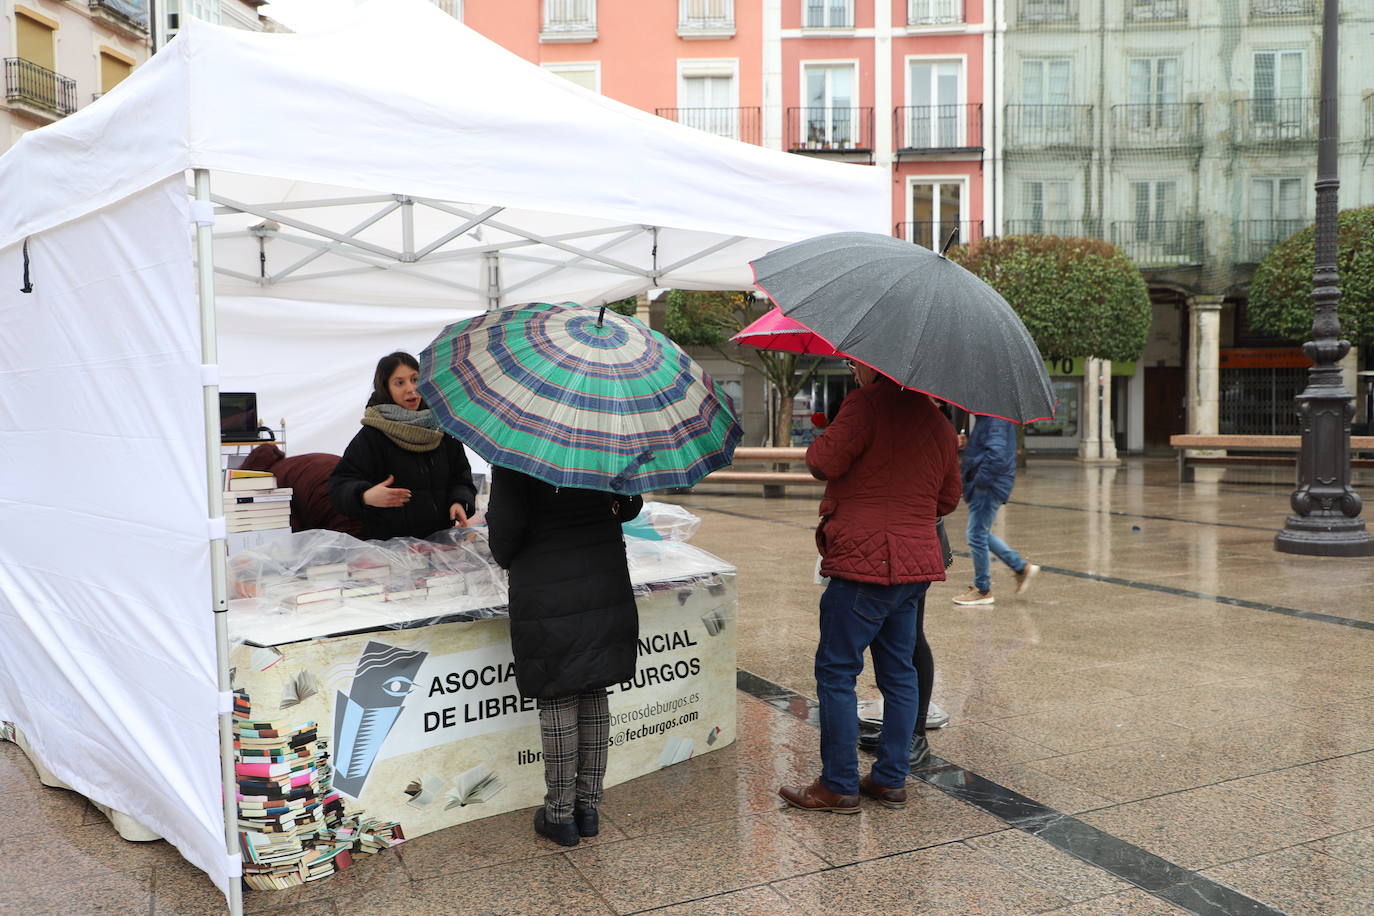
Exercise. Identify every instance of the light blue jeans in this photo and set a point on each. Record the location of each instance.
(982, 509)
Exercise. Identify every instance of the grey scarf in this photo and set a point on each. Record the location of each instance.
(412, 430)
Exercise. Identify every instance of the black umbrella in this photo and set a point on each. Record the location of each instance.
(915, 316)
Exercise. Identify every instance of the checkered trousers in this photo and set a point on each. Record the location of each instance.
(575, 731)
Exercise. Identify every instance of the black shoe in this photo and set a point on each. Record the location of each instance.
(869, 736)
(564, 834)
(588, 824)
(920, 751)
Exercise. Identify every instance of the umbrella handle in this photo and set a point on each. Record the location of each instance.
(600, 315)
(953, 234)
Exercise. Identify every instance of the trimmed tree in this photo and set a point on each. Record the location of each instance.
(710, 319)
(1281, 293)
(1077, 296)
(627, 307)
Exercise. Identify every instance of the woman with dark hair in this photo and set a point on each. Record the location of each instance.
(574, 629)
(402, 475)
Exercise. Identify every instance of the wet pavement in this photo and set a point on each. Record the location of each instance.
(1174, 718)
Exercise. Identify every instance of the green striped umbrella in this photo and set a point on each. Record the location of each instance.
(578, 397)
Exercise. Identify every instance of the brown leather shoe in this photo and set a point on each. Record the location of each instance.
(888, 798)
(817, 797)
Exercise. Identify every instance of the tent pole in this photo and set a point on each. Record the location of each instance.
(209, 350)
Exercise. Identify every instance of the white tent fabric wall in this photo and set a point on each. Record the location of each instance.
(107, 652)
(311, 363)
(107, 648)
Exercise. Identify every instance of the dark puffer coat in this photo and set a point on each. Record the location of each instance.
(890, 465)
(436, 480)
(573, 622)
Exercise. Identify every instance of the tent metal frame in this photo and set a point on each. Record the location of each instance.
(371, 256)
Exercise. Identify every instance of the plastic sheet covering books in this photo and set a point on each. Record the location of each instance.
(662, 522)
(318, 583)
(426, 728)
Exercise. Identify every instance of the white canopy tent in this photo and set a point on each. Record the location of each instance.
(356, 189)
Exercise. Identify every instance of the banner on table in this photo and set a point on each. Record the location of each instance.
(427, 727)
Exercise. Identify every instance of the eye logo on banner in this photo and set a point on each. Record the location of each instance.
(364, 717)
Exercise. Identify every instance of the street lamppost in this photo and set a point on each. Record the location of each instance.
(1326, 519)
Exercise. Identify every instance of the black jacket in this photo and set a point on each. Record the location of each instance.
(436, 480)
(573, 622)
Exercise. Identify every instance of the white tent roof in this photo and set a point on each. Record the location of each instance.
(401, 155)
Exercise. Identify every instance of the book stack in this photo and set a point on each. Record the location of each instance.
(256, 510)
(293, 826)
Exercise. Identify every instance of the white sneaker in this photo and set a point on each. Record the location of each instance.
(1024, 577)
(936, 717)
(974, 596)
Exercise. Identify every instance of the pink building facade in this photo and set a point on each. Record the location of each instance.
(899, 85)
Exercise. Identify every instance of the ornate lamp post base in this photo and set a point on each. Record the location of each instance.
(1325, 536)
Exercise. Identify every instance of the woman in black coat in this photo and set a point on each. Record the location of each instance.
(401, 474)
(574, 629)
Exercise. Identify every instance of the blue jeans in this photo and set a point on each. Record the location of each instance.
(856, 616)
(982, 509)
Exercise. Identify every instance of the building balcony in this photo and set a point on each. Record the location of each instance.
(1071, 228)
(1156, 243)
(830, 130)
(1069, 127)
(1276, 122)
(126, 15)
(938, 128)
(704, 19)
(734, 123)
(1255, 237)
(568, 21)
(1300, 10)
(1047, 12)
(1149, 127)
(828, 14)
(1156, 10)
(37, 90)
(933, 235)
(934, 12)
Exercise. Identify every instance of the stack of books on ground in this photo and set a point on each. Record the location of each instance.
(292, 825)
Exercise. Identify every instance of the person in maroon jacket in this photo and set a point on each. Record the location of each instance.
(890, 465)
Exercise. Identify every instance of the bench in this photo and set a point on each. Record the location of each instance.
(1288, 446)
(773, 482)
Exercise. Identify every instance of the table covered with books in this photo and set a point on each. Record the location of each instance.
(375, 696)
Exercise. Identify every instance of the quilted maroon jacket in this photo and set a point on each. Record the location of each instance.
(890, 462)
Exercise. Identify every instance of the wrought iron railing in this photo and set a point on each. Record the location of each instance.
(934, 12)
(1274, 120)
(931, 127)
(1049, 125)
(1061, 11)
(1286, 9)
(829, 129)
(1155, 125)
(934, 235)
(735, 123)
(1258, 236)
(569, 16)
(828, 14)
(38, 86)
(1075, 228)
(1156, 10)
(1160, 242)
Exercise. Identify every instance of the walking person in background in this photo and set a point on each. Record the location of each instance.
(890, 466)
(574, 630)
(989, 472)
